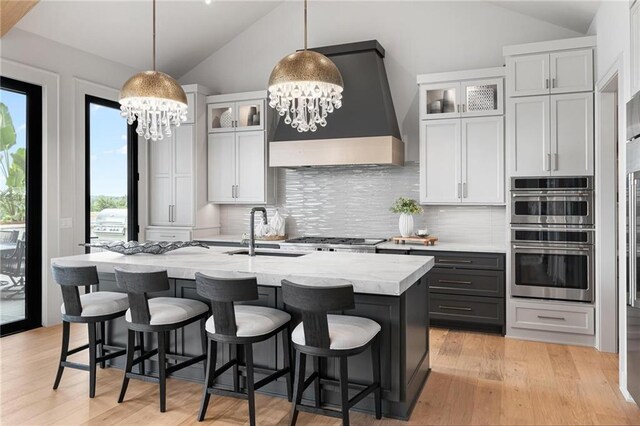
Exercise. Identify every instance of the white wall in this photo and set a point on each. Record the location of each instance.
(612, 29)
(64, 166)
(419, 37)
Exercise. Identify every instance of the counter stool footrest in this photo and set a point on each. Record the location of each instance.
(151, 379)
(145, 356)
(321, 411)
(184, 364)
(273, 376)
(230, 393)
(111, 355)
(75, 365)
(78, 349)
(363, 393)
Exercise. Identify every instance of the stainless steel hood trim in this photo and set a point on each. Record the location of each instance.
(382, 150)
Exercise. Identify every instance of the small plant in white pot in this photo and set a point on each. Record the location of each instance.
(406, 207)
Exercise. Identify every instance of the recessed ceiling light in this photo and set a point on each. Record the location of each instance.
(207, 1)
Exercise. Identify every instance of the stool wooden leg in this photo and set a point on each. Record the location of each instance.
(300, 372)
(162, 365)
(203, 339)
(286, 346)
(141, 344)
(63, 352)
(92, 358)
(102, 342)
(344, 389)
(129, 365)
(248, 357)
(375, 362)
(316, 382)
(210, 369)
(234, 355)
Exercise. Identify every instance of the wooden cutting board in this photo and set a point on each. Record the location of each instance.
(429, 240)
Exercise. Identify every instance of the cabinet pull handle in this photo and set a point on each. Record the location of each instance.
(167, 236)
(550, 317)
(454, 261)
(455, 282)
(546, 83)
(464, 190)
(236, 186)
(173, 212)
(553, 83)
(459, 191)
(169, 212)
(464, 108)
(454, 308)
(548, 165)
(555, 161)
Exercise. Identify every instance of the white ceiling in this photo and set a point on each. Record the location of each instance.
(575, 15)
(188, 31)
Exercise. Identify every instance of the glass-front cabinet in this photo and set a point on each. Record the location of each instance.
(235, 116)
(472, 98)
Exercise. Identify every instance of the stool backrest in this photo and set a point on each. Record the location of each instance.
(137, 285)
(222, 293)
(314, 303)
(70, 278)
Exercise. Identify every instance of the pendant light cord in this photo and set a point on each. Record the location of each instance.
(305, 24)
(154, 35)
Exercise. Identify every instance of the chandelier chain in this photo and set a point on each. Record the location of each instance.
(305, 24)
(154, 35)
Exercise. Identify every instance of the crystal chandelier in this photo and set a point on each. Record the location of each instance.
(153, 98)
(305, 87)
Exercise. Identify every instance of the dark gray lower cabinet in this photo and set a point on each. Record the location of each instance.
(405, 346)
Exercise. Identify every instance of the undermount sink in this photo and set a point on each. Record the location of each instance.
(274, 253)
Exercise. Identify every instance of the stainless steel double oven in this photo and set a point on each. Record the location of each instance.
(552, 237)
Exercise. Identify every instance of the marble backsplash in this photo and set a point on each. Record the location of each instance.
(353, 201)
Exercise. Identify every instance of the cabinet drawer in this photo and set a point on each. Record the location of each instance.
(168, 234)
(465, 260)
(472, 283)
(479, 310)
(549, 317)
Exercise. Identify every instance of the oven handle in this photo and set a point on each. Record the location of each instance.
(566, 249)
(633, 285)
(551, 194)
(560, 228)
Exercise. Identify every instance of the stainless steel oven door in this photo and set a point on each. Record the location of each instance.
(552, 271)
(552, 209)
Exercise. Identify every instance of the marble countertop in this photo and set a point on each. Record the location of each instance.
(445, 246)
(368, 273)
(440, 245)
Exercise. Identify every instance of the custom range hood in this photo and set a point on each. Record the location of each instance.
(363, 131)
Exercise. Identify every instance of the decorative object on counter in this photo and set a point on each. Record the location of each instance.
(426, 240)
(154, 99)
(406, 207)
(304, 87)
(277, 224)
(134, 247)
(422, 232)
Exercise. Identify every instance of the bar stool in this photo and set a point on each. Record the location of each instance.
(321, 335)
(91, 309)
(157, 315)
(240, 325)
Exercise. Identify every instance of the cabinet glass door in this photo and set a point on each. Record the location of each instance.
(250, 115)
(482, 97)
(220, 118)
(440, 101)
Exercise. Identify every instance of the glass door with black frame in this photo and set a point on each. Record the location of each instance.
(20, 205)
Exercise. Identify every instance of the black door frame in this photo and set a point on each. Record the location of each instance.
(133, 228)
(33, 229)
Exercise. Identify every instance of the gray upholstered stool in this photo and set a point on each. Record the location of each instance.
(92, 309)
(157, 315)
(240, 325)
(321, 335)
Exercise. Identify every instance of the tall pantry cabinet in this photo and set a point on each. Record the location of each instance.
(178, 208)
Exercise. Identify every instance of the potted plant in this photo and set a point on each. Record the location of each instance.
(406, 207)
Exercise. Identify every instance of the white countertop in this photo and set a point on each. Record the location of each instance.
(368, 273)
(440, 245)
(445, 246)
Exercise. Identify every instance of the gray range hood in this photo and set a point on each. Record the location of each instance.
(363, 131)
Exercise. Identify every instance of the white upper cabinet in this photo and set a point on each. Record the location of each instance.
(571, 71)
(529, 132)
(250, 167)
(482, 97)
(551, 135)
(191, 105)
(528, 75)
(483, 160)
(635, 47)
(246, 115)
(565, 71)
(440, 159)
(440, 100)
(572, 134)
(221, 167)
(183, 176)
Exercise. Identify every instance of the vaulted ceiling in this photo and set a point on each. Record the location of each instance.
(188, 31)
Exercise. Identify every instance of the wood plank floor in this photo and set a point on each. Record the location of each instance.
(476, 379)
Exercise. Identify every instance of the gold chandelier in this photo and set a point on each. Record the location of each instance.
(305, 87)
(154, 99)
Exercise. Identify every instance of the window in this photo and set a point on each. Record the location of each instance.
(20, 205)
(111, 173)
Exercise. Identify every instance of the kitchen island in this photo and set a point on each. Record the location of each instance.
(391, 290)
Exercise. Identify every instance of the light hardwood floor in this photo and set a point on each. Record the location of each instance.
(476, 379)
